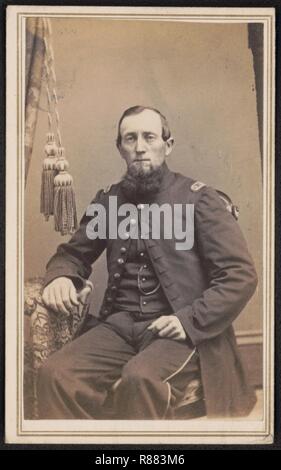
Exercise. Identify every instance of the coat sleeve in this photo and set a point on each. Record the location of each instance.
(230, 270)
(74, 258)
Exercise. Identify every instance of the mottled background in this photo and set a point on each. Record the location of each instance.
(199, 75)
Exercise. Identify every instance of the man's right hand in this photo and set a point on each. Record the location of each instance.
(60, 295)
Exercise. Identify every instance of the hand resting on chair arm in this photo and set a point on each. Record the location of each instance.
(62, 297)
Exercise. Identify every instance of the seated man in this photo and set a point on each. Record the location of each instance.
(168, 308)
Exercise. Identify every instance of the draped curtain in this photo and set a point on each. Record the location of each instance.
(35, 51)
(255, 42)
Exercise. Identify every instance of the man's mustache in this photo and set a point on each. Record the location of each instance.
(136, 170)
(141, 160)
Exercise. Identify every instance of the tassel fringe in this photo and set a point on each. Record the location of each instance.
(65, 216)
(47, 192)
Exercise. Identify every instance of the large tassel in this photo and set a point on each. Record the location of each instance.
(64, 198)
(49, 172)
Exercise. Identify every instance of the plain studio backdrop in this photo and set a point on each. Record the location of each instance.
(199, 75)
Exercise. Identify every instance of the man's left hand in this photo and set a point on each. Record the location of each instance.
(168, 326)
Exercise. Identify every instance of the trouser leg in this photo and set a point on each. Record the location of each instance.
(73, 383)
(154, 378)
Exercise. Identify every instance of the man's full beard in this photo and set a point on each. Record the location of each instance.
(140, 186)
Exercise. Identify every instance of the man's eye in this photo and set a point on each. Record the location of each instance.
(129, 138)
(150, 137)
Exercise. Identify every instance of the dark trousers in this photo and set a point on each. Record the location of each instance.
(153, 372)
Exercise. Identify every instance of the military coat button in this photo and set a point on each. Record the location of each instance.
(116, 275)
(120, 261)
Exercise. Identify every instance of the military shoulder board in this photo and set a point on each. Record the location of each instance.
(234, 210)
(197, 186)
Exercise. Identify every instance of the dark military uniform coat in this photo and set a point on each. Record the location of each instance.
(206, 286)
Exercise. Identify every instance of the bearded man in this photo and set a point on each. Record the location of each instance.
(166, 318)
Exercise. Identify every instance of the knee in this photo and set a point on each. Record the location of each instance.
(133, 375)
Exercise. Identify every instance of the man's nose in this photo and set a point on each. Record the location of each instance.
(140, 145)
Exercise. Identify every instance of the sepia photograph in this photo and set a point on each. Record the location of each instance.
(140, 225)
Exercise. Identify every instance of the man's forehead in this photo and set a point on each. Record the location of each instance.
(147, 120)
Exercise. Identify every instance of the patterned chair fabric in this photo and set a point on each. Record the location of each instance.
(48, 333)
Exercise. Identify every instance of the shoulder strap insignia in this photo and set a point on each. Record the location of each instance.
(197, 186)
(107, 189)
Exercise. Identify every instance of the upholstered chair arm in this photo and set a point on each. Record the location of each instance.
(46, 332)
(49, 331)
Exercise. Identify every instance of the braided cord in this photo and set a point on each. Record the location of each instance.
(51, 82)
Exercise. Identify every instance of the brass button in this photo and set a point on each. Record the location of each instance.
(113, 288)
(144, 302)
(120, 261)
(140, 206)
(142, 253)
(105, 312)
(109, 299)
(116, 275)
(145, 266)
(143, 279)
(123, 249)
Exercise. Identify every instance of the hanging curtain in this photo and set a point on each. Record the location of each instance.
(255, 42)
(35, 51)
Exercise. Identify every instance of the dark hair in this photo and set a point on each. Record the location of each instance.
(166, 133)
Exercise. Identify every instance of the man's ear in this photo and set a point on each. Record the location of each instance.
(119, 149)
(169, 146)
